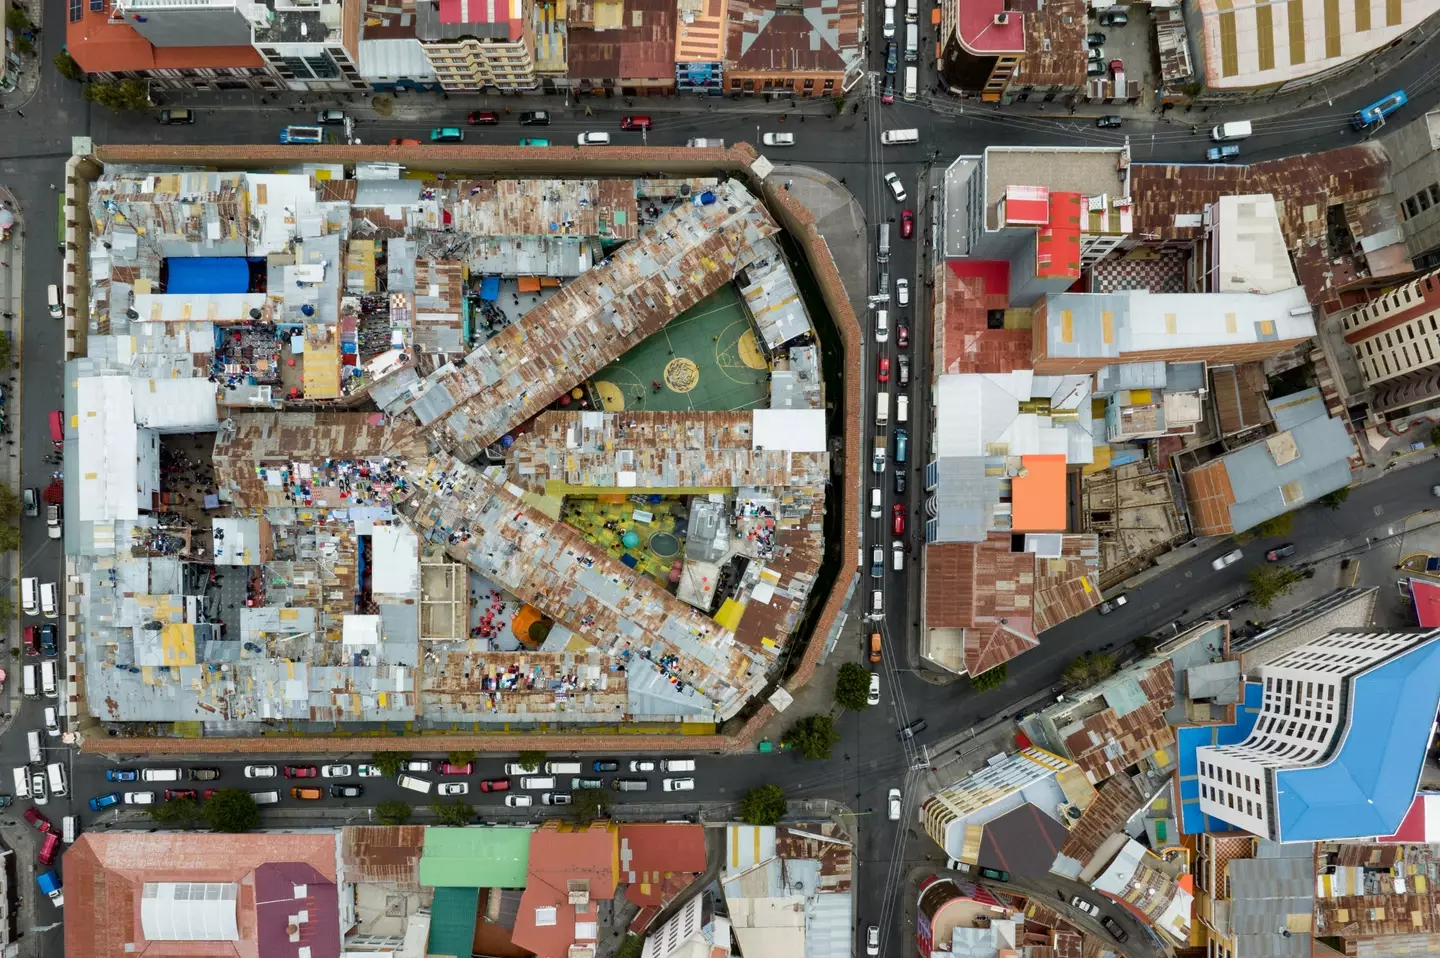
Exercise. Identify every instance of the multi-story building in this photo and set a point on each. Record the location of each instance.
(959, 917)
(1340, 742)
(170, 44)
(1255, 898)
(475, 45)
(621, 47)
(700, 35)
(550, 36)
(1395, 340)
(782, 48)
(311, 46)
(391, 55)
(1414, 153)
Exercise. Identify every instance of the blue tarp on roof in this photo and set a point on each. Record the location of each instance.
(1367, 785)
(208, 274)
(490, 288)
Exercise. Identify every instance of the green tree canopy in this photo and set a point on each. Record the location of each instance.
(1269, 582)
(10, 503)
(532, 760)
(589, 804)
(67, 67)
(392, 812)
(632, 947)
(1088, 669)
(389, 763)
(992, 679)
(9, 537)
(852, 687)
(813, 736)
(231, 810)
(1334, 500)
(122, 97)
(460, 757)
(763, 805)
(182, 811)
(456, 814)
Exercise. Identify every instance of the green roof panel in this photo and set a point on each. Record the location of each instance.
(483, 857)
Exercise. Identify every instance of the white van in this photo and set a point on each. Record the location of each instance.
(32, 738)
(882, 325)
(55, 772)
(912, 84)
(540, 782)
(261, 798)
(515, 768)
(414, 784)
(677, 765)
(902, 408)
(52, 299)
(877, 602)
(563, 768)
(30, 596)
(159, 775)
(706, 143)
(884, 242)
(48, 608)
(68, 825)
(882, 408)
(895, 137)
(22, 783)
(912, 11)
(912, 42)
(29, 678)
(1231, 131)
(48, 685)
(875, 510)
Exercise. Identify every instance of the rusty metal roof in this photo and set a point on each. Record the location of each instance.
(823, 39)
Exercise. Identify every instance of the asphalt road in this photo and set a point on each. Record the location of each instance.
(869, 760)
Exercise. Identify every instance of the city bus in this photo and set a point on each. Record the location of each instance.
(1379, 110)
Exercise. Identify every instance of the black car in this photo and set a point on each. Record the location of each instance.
(994, 874)
(202, 774)
(1115, 930)
(346, 791)
(49, 639)
(173, 117)
(535, 118)
(1095, 40)
(892, 57)
(899, 482)
(1114, 17)
(1274, 555)
(605, 766)
(912, 730)
(1108, 122)
(1096, 68)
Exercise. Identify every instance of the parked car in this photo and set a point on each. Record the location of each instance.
(32, 502)
(176, 117)
(636, 123)
(642, 765)
(447, 134)
(887, 92)
(1109, 122)
(334, 117)
(593, 138)
(1111, 604)
(872, 940)
(179, 794)
(403, 141)
(453, 788)
(892, 57)
(1116, 932)
(495, 785)
(1280, 552)
(41, 823)
(417, 765)
(902, 336)
(897, 189)
(301, 771)
(1095, 68)
(882, 373)
(778, 139)
(260, 771)
(482, 118)
(139, 798)
(874, 697)
(345, 790)
(202, 774)
(897, 519)
(49, 639)
(994, 874)
(519, 801)
(555, 798)
(306, 793)
(1229, 558)
(121, 775)
(104, 801)
(578, 783)
(52, 721)
(678, 785)
(899, 482)
(907, 225)
(1094, 39)
(32, 643)
(450, 768)
(533, 141)
(1114, 17)
(1223, 152)
(53, 528)
(368, 771)
(1088, 908)
(902, 291)
(892, 802)
(605, 765)
(535, 118)
(336, 771)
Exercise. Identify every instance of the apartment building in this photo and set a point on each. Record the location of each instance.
(311, 46)
(476, 45)
(1394, 340)
(1254, 897)
(779, 48)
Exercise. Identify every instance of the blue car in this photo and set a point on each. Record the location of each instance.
(121, 775)
(104, 801)
(605, 766)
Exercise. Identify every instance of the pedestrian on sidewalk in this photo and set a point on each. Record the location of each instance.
(20, 114)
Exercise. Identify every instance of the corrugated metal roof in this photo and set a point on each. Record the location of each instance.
(394, 59)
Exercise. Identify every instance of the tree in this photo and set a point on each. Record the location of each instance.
(9, 537)
(389, 763)
(182, 811)
(1334, 500)
(25, 45)
(10, 503)
(634, 945)
(16, 19)
(458, 813)
(1145, 645)
(231, 810)
(1275, 526)
(532, 760)
(813, 736)
(1268, 583)
(1088, 669)
(589, 804)
(763, 805)
(839, 102)
(127, 95)
(392, 812)
(67, 67)
(852, 687)
(459, 757)
(1435, 435)
(992, 679)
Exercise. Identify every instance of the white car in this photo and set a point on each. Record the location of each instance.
(888, 30)
(418, 765)
(52, 722)
(39, 790)
(678, 785)
(336, 771)
(1229, 558)
(1090, 909)
(519, 801)
(872, 940)
(778, 139)
(139, 798)
(893, 181)
(902, 292)
(555, 798)
(261, 771)
(642, 765)
(370, 771)
(893, 800)
(593, 139)
(453, 788)
(874, 697)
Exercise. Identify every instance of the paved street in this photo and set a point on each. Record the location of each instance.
(869, 760)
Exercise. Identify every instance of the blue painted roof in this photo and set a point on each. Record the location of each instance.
(1367, 786)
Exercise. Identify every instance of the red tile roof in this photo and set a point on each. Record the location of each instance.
(105, 873)
(967, 344)
(547, 923)
(644, 49)
(979, 32)
(762, 38)
(484, 11)
(1207, 487)
(650, 853)
(100, 46)
(973, 586)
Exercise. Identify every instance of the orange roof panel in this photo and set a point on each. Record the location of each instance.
(1038, 496)
(100, 46)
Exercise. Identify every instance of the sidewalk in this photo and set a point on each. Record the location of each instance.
(30, 64)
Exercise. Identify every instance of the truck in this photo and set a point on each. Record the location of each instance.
(1237, 130)
(49, 883)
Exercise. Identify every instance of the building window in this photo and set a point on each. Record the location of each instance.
(829, 84)
(809, 84)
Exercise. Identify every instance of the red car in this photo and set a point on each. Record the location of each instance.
(41, 823)
(47, 848)
(1117, 67)
(301, 771)
(448, 769)
(32, 646)
(907, 224)
(884, 374)
(483, 118)
(902, 336)
(636, 123)
(495, 785)
(898, 522)
(209, 793)
(176, 794)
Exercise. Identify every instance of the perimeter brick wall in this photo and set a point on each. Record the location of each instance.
(557, 161)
